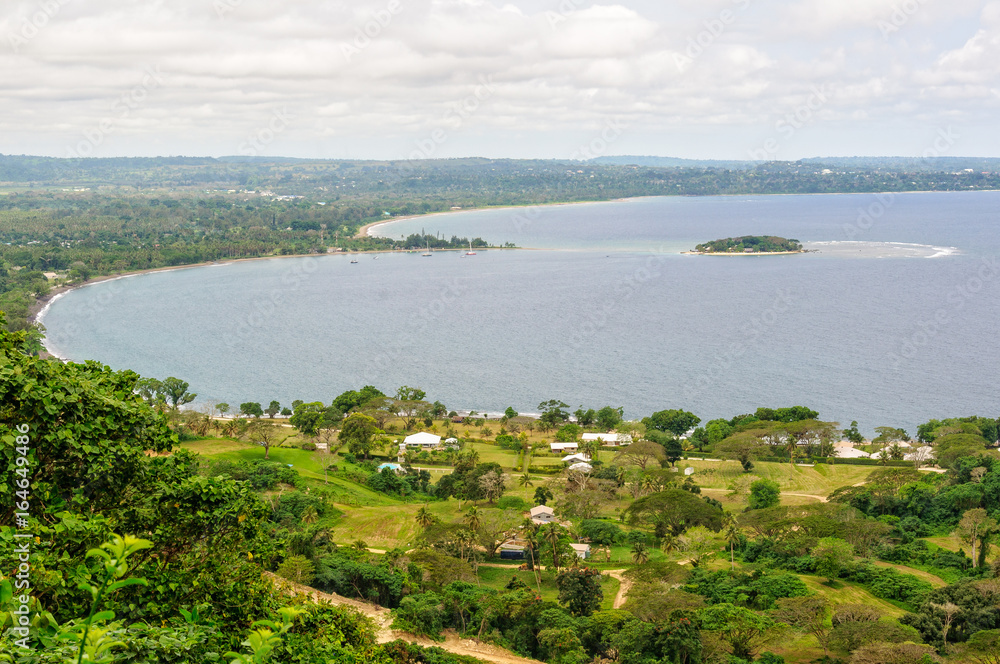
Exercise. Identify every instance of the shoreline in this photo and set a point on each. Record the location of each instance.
(366, 230)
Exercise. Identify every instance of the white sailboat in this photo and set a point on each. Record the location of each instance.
(428, 252)
(470, 252)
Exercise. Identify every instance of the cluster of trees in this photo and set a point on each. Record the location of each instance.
(753, 243)
(186, 583)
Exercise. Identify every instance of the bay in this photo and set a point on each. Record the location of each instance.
(891, 322)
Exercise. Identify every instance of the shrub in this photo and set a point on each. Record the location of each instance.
(513, 503)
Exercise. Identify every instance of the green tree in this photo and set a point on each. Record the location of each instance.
(810, 614)
(297, 569)
(553, 412)
(150, 389)
(640, 553)
(251, 408)
(223, 408)
(175, 391)
(266, 435)
(852, 434)
(975, 529)
(832, 555)
(580, 590)
(677, 422)
(608, 418)
(273, 409)
(358, 433)
(673, 511)
(744, 630)
(673, 450)
(424, 517)
(308, 417)
(745, 447)
(543, 495)
(406, 393)
(763, 494)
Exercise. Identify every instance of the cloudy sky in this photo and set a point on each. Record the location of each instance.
(391, 79)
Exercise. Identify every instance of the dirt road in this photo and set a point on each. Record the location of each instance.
(383, 619)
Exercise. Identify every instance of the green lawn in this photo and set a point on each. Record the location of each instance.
(821, 479)
(850, 593)
(498, 577)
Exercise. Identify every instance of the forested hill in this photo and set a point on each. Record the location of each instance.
(469, 182)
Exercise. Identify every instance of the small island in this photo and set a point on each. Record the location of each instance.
(750, 245)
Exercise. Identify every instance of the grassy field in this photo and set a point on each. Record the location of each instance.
(498, 577)
(819, 480)
(850, 593)
(935, 581)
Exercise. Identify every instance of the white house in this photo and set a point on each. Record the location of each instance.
(582, 467)
(582, 550)
(423, 440)
(573, 458)
(564, 447)
(609, 439)
(542, 514)
(850, 453)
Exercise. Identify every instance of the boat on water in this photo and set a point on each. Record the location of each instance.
(470, 252)
(428, 252)
(354, 260)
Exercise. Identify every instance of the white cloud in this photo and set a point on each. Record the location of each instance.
(375, 76)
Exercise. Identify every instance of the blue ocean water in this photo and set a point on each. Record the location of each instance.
(893, 321)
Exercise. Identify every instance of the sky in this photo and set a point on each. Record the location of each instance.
(560, 79)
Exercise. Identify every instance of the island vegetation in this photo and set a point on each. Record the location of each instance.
(750, 244)
(303, 533)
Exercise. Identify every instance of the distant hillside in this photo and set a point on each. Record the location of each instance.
(910, 164)
(895, 164)
(673, 162)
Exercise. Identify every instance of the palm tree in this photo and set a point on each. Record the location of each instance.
(552, 537)
(424, 517)
(472, 518)
(360, 545)
(669, 543)
(531, 539)
(732, 534)
(526, 480)
(464, 537)
(640, 554)
(792, 445)
(309, 514)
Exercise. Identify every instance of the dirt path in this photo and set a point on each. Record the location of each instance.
(383, 619)
(821, 499)
(624, 586)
